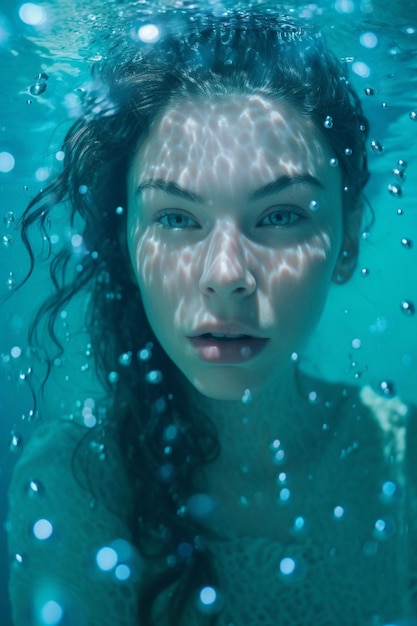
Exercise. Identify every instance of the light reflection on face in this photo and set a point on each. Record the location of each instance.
(234, 227)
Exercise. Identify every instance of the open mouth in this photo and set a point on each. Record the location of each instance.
(228, 348)
(224, 337)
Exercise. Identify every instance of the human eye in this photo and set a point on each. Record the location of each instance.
(281, 217)
(175, 219)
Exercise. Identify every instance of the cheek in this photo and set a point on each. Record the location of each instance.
(162, 273)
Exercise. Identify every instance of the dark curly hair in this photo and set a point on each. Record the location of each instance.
(162, 442)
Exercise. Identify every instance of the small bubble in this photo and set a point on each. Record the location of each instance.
(122, 572)
(34, 488)
(334, 162)
(389, 491)
(387, 388)
(247, 396)
(113, 377)
(377, 147)
(338, 512)
(38, 88)
(364, 271)
(284, 495)
(383, 529)
(395, 190)
(7, 240)
(328, 122)
(42, 529)
(348, 151)
(356, 343)
(106, 558)
(384, 105)
(154, 377)
(51, 613)
(18, 558)
(149, 33)
(400, 212)
(287, 566)
(369, 91)
(120, 210)
(413, 115)
(144, 355)
(406, 243)
(125, 359)
(15, 442)
(82, 190)
(8, 218)
(402, 163)
(314, 205)
(7, 162)
(399, 172)
(407, 307)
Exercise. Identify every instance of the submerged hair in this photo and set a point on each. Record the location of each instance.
(240, 53)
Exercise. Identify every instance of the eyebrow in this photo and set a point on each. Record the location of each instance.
(269, 189)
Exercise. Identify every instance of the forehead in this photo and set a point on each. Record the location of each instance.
(217, 141)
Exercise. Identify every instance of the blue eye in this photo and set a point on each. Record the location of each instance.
(175, 220)
(280, 217)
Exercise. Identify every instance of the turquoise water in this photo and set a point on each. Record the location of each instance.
(367, 334)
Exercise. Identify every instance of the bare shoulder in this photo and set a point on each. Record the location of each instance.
(70, 550)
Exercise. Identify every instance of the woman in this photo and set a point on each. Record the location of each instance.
(218, 173)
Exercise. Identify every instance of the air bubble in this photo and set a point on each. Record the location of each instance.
(32, 14)
(334, 162)
(287, 566)
(338, 512)
(328, 122)
(154, 377)
(395, 190)
(364, 271)
(369, 91)
(377, 147)
(34, 488)
(399, 172)
(113, 377)
(7, 162)
(15, 442)
(120, 210)
(7, 240)
(51, 613)
(8, 218)
(247, 396)
(402, 163)
(42, 529)
(348, 151)
(38, 88)
(389, 491)
(125, 359)
(106, 559)
(314, 205)
(387, 388)
(407, 307)
(406, 243)
(413, 115)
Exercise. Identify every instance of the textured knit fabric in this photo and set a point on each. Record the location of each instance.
(345, 557)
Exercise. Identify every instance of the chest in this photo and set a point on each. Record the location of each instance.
(331, 551)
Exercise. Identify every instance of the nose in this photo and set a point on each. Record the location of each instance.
(225, 271)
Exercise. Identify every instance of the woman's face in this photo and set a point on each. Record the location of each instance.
(235, 229)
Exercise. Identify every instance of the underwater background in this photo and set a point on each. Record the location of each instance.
(368, 334)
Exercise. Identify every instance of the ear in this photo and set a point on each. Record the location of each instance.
(349, 251)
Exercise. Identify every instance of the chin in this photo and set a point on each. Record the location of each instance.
(225, 385)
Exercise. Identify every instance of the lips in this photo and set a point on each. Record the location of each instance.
(227, 347)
